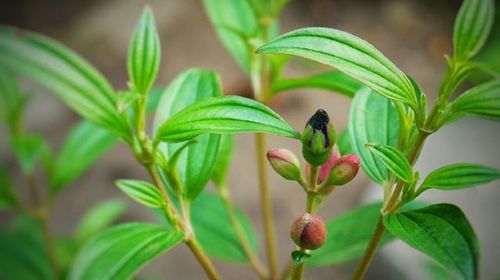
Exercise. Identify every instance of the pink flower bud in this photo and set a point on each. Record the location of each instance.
(324, 170)
(344, 169)
(285, 163)
(308, 231)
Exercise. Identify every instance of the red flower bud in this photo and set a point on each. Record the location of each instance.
(324, 170)
(344, 169)
(308, 231)
(285, 163)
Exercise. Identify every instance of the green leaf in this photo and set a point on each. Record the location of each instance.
(224, 114)
(222, 164)
(435, 271)
(119, 252)
(84, 144)
(442, 232)
(214, 230)
(99, 217)
(7, 195)
(349, 235)
(299, 257)
(472, 27)
(460, 176)
(144, 53)
(235, 22)
(334, 81)
(373, 119)
(394, 160)
(482, 100)
(195, 166)
(344, 143)
(22, 251)
(12, 99)
(142, 192)
(349, 54)
(28, 150)
(61, 70)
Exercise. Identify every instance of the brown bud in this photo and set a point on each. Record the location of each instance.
(308, 231)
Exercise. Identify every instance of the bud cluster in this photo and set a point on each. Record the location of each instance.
(318, 141)
(319, 150)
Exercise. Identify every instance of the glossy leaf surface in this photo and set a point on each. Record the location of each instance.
(442, 232)
(196, 163)
(225, 114)
(460, 176)
(144, 53)
(394, 160)
(372, 119)
(349, 54)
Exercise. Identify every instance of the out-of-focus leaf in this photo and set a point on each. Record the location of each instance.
(99, 217)
(22, 252)
(12, 99)
(69, 76)
(28, 150)
(222, 164)
(344, 143)
(7, 196)
(215, 232)
(235, 22)
(348, 236)
(119, 252)
(84, 144)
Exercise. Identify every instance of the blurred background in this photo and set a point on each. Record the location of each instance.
(414, 34)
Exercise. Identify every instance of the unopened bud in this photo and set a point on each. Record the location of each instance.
(285, 163)
(324, 169)
(318, 138)
(344, 169)
(308, 231)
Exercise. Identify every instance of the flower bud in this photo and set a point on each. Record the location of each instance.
(344, 169)
(318, 138)
(285, 163)
(308, 231)
(324, 169)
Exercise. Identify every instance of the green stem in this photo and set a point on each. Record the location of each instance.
(362, 267)
(202, 258)
(298, 270)
(41, 215)
(183, 225)
(266, 207)
(253, 259)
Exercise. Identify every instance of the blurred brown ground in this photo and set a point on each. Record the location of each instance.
(413, 34)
